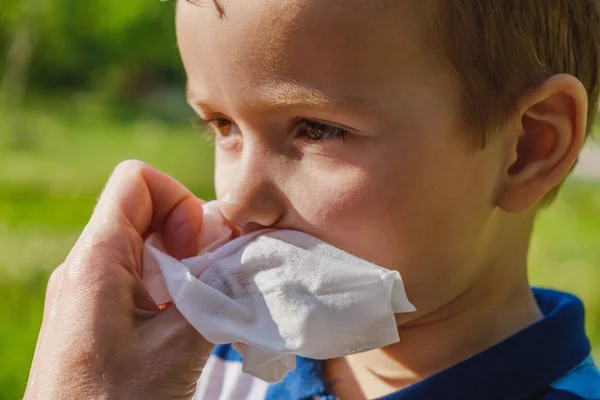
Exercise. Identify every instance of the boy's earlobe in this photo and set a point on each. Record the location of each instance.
(552, 132)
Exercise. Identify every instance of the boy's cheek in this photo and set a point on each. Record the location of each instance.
(335, 198)
(426, 232)
(354, 212)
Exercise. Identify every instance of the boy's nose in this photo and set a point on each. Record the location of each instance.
(252, 211)
(253, 201)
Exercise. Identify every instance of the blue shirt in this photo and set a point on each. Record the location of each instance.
(549, 360)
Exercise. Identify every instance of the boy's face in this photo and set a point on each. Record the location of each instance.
(402, 189)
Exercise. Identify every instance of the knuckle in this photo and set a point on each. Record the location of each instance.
(129, 166)
(126, 170)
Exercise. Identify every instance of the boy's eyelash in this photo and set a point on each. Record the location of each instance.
(203, 126)
(312, 130)
(319, 131)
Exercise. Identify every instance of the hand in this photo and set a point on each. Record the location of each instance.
(102, 336)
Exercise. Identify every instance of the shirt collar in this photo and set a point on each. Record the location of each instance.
(516, 368)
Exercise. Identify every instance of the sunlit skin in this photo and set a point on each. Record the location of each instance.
(339, 119)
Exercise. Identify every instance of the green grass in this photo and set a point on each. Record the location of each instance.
(49, 187)
(565, 251)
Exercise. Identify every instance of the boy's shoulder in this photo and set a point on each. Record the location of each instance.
(581, 383)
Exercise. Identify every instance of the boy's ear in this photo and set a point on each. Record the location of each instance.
(551, 131)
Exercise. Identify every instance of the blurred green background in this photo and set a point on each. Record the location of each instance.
(84, 85)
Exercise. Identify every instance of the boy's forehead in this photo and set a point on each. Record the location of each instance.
(327, 45)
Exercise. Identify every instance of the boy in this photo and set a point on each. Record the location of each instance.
(422, 136)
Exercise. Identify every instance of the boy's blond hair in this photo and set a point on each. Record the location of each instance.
(502, 49)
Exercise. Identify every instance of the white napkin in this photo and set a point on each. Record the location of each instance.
(275, 294)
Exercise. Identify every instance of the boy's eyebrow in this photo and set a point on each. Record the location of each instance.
(289, 95)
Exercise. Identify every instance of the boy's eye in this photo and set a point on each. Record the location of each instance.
(310, 130)
(318, 131)
(222, 126)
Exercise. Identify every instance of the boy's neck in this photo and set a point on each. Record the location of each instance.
(489, 312)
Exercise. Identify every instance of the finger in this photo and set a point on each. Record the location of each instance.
(143, 196)
(138, 200)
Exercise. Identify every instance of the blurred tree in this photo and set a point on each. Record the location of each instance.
(119, 47)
